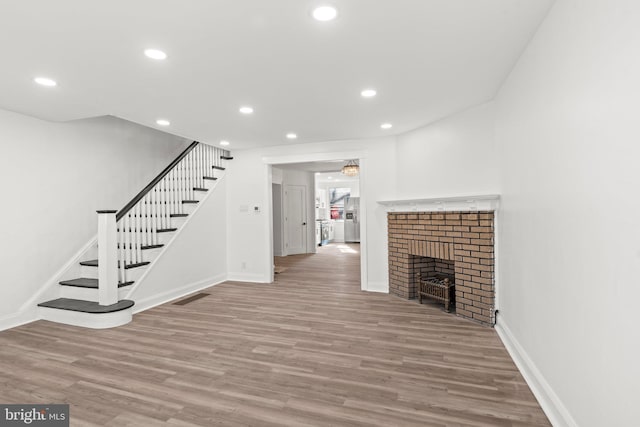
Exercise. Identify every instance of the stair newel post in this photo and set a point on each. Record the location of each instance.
(107, 258)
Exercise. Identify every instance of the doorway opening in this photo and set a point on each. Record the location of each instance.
(337, 208)
(335, 266)
(312, 200)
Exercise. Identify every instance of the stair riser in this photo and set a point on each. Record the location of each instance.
(88, 294)
(209, 184)
(87, 320)
(148, 255)
(165, 238)
(189, 208)
(88, 272)
(134, 274)
(178, 222)
(200, 195)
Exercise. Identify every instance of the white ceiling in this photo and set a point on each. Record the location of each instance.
(426, 58)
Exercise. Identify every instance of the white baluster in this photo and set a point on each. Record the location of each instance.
(206, 159)
(212, 151)
(147, 221)
(134, 235)
(189, 168)
(154, 219)
(121, 251)
(167, 193)
(161, 205)
(127, 239)
(166, 206)
(181, 193)
(192, 176)
(175, 193)
(199, 165)
(139, 232)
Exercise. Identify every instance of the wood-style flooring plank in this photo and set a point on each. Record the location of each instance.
(310, 349)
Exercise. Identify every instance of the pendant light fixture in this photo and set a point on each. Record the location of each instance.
(351, 168)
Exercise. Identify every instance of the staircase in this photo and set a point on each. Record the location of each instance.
(94, 292)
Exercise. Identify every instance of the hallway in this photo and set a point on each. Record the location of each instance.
(334, 265)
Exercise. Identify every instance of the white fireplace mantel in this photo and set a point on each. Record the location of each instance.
(484, 202)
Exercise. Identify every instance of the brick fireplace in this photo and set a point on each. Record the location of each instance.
(456, 244)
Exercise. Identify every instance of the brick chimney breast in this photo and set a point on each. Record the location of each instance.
(460, 244)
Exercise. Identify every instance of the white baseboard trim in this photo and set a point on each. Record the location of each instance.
(18, 319)
(551, 404)
(165, 297)
(382, 287)
(247, 277)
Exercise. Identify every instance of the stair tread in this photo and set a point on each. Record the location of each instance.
(151, 247)
(94, 263)
(212, 178)
(166, 230)
(179, 215)
(146, 247)
(84, 282)
(189, 201)
(226, 157)
(220, 168)
(86, 306)
(199, 189)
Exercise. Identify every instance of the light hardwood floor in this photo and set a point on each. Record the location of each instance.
(310, 349)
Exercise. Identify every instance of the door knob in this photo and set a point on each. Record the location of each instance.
(304, 223)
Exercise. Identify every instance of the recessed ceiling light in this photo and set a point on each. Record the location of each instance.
(386, 126)
(292, 136)
(368, 93)
(44, 81)
(246, 110)
(155, 54)
(163, 122)
(329, 177)
(224, 143)
(325, 13)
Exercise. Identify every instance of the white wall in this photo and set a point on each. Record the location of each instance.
(278, 221)
(54, 176)
(195, 259)
(249, 183)
(249, 242)
(453, 156)
(568, 135)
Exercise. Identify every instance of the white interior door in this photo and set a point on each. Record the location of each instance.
(295, 219)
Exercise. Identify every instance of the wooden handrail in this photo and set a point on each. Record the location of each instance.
(155, 181)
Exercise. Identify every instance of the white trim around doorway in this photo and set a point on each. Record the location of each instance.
(323, 157)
